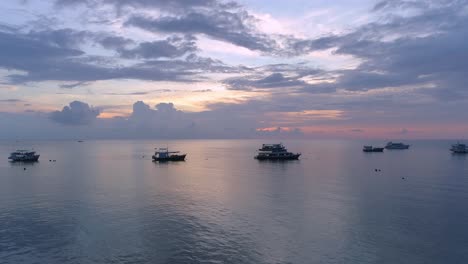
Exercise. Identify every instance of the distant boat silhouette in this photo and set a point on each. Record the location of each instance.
(459, 148)
(275, 152)
(391, 145)
(24, 156)
(163, 154)
(372, 149)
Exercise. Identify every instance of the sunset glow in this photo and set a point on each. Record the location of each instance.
(348, 69)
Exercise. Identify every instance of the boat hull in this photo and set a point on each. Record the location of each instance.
(399, 147)
(171, 158)
(291, 157)
(459, 151)
(373, 150)
(34, 158)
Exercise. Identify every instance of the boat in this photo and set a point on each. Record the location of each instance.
(163, 154)
(24, 156)
(275, 152)
(372, 149)
(459, 148)
(392, 145)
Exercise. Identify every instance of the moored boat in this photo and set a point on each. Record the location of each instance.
(275, 152)
(372, 149)
(163, 154)
(22, 155)
(459, 148)
(392, 145)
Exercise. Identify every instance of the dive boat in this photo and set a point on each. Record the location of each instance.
(163, 154)
(459, 148)
(392, 145)
(24, 156)
(275, 152)
(372, 149)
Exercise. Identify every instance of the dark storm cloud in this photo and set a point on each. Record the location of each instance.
(21, 52)
(274, 80)
(226, 25)
(221, 20)
(167, 4)
(73, 85)
(428, 48)
(77, 113)
(41, 60)
(64, 38)
(440, 59)
(11, 100)
(69, 69)
(58, 54)
(75, 70)
(397, 50)
(49, 54)
(299, 69)
(169, 48)
(114, 42)
(278, 81)
(8, 28)
(403, 4)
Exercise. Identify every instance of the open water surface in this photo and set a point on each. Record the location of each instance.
(107, 202)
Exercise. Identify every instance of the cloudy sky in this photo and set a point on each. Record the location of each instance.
(238, 69)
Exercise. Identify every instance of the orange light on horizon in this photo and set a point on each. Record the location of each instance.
(108, 115)
(271, 129)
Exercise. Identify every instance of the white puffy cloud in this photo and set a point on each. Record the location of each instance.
(77, 113)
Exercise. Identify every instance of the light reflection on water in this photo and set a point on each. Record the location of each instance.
(107, 202)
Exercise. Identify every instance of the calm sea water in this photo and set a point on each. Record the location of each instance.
(107, 202)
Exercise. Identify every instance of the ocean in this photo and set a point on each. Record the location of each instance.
(107, 202)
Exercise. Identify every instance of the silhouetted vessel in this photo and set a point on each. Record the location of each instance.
(392, 145)
(163, 154)
(24, 156)
(275, 152)
(459, 148)
(372, 149)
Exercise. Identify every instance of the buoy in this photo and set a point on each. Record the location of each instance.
(24, 168)
(402, 178)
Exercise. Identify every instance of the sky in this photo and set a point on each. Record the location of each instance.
(391, 69)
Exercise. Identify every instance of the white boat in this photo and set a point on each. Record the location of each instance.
(24, 156)
(392, 145)
(459, 148)
(275, 152)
